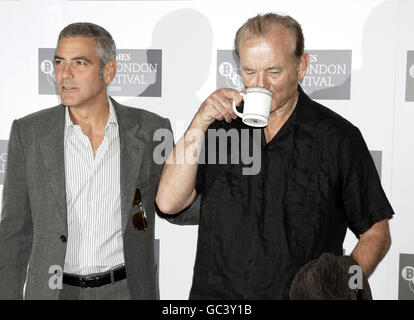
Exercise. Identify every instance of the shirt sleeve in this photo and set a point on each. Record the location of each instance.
(16, 226)
(363, 197)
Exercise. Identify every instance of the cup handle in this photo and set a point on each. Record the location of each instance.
(234, 106)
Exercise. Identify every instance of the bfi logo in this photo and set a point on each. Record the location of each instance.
(406, 278)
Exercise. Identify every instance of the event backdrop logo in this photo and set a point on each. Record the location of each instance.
(409, 83)
(328, 75)
(228, 73)
(139, 73)
(3, 159)
(406, 278)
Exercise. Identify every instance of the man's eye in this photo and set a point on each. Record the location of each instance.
(58, 62)
(81, 63)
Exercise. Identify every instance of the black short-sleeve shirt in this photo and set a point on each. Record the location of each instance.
(316, 179)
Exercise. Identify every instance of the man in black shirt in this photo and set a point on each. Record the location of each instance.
(316, 179)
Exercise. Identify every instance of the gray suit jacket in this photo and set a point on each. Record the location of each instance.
(34, 216)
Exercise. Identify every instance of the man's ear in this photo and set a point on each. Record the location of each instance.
(303, 65)
(109, 71)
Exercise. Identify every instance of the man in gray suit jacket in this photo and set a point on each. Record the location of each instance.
(78, 202)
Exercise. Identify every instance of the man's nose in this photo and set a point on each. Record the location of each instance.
(67, 71)
(261, 80)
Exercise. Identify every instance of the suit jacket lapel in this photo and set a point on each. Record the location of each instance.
(132, 151)
(52, 150)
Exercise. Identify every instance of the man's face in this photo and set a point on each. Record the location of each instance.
(268, 62)
(77, 71)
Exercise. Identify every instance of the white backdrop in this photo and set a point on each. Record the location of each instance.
(190, 33)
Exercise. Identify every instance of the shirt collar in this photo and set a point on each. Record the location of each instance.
(111, 119)
(112, 115)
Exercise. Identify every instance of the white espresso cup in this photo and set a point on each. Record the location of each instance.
(257, 102)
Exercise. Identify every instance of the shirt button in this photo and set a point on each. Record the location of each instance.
(63, 238)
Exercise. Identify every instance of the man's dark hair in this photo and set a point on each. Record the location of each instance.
(105, 45)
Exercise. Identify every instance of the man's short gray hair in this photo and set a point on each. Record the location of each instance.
(260, 25)
(105, 45)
